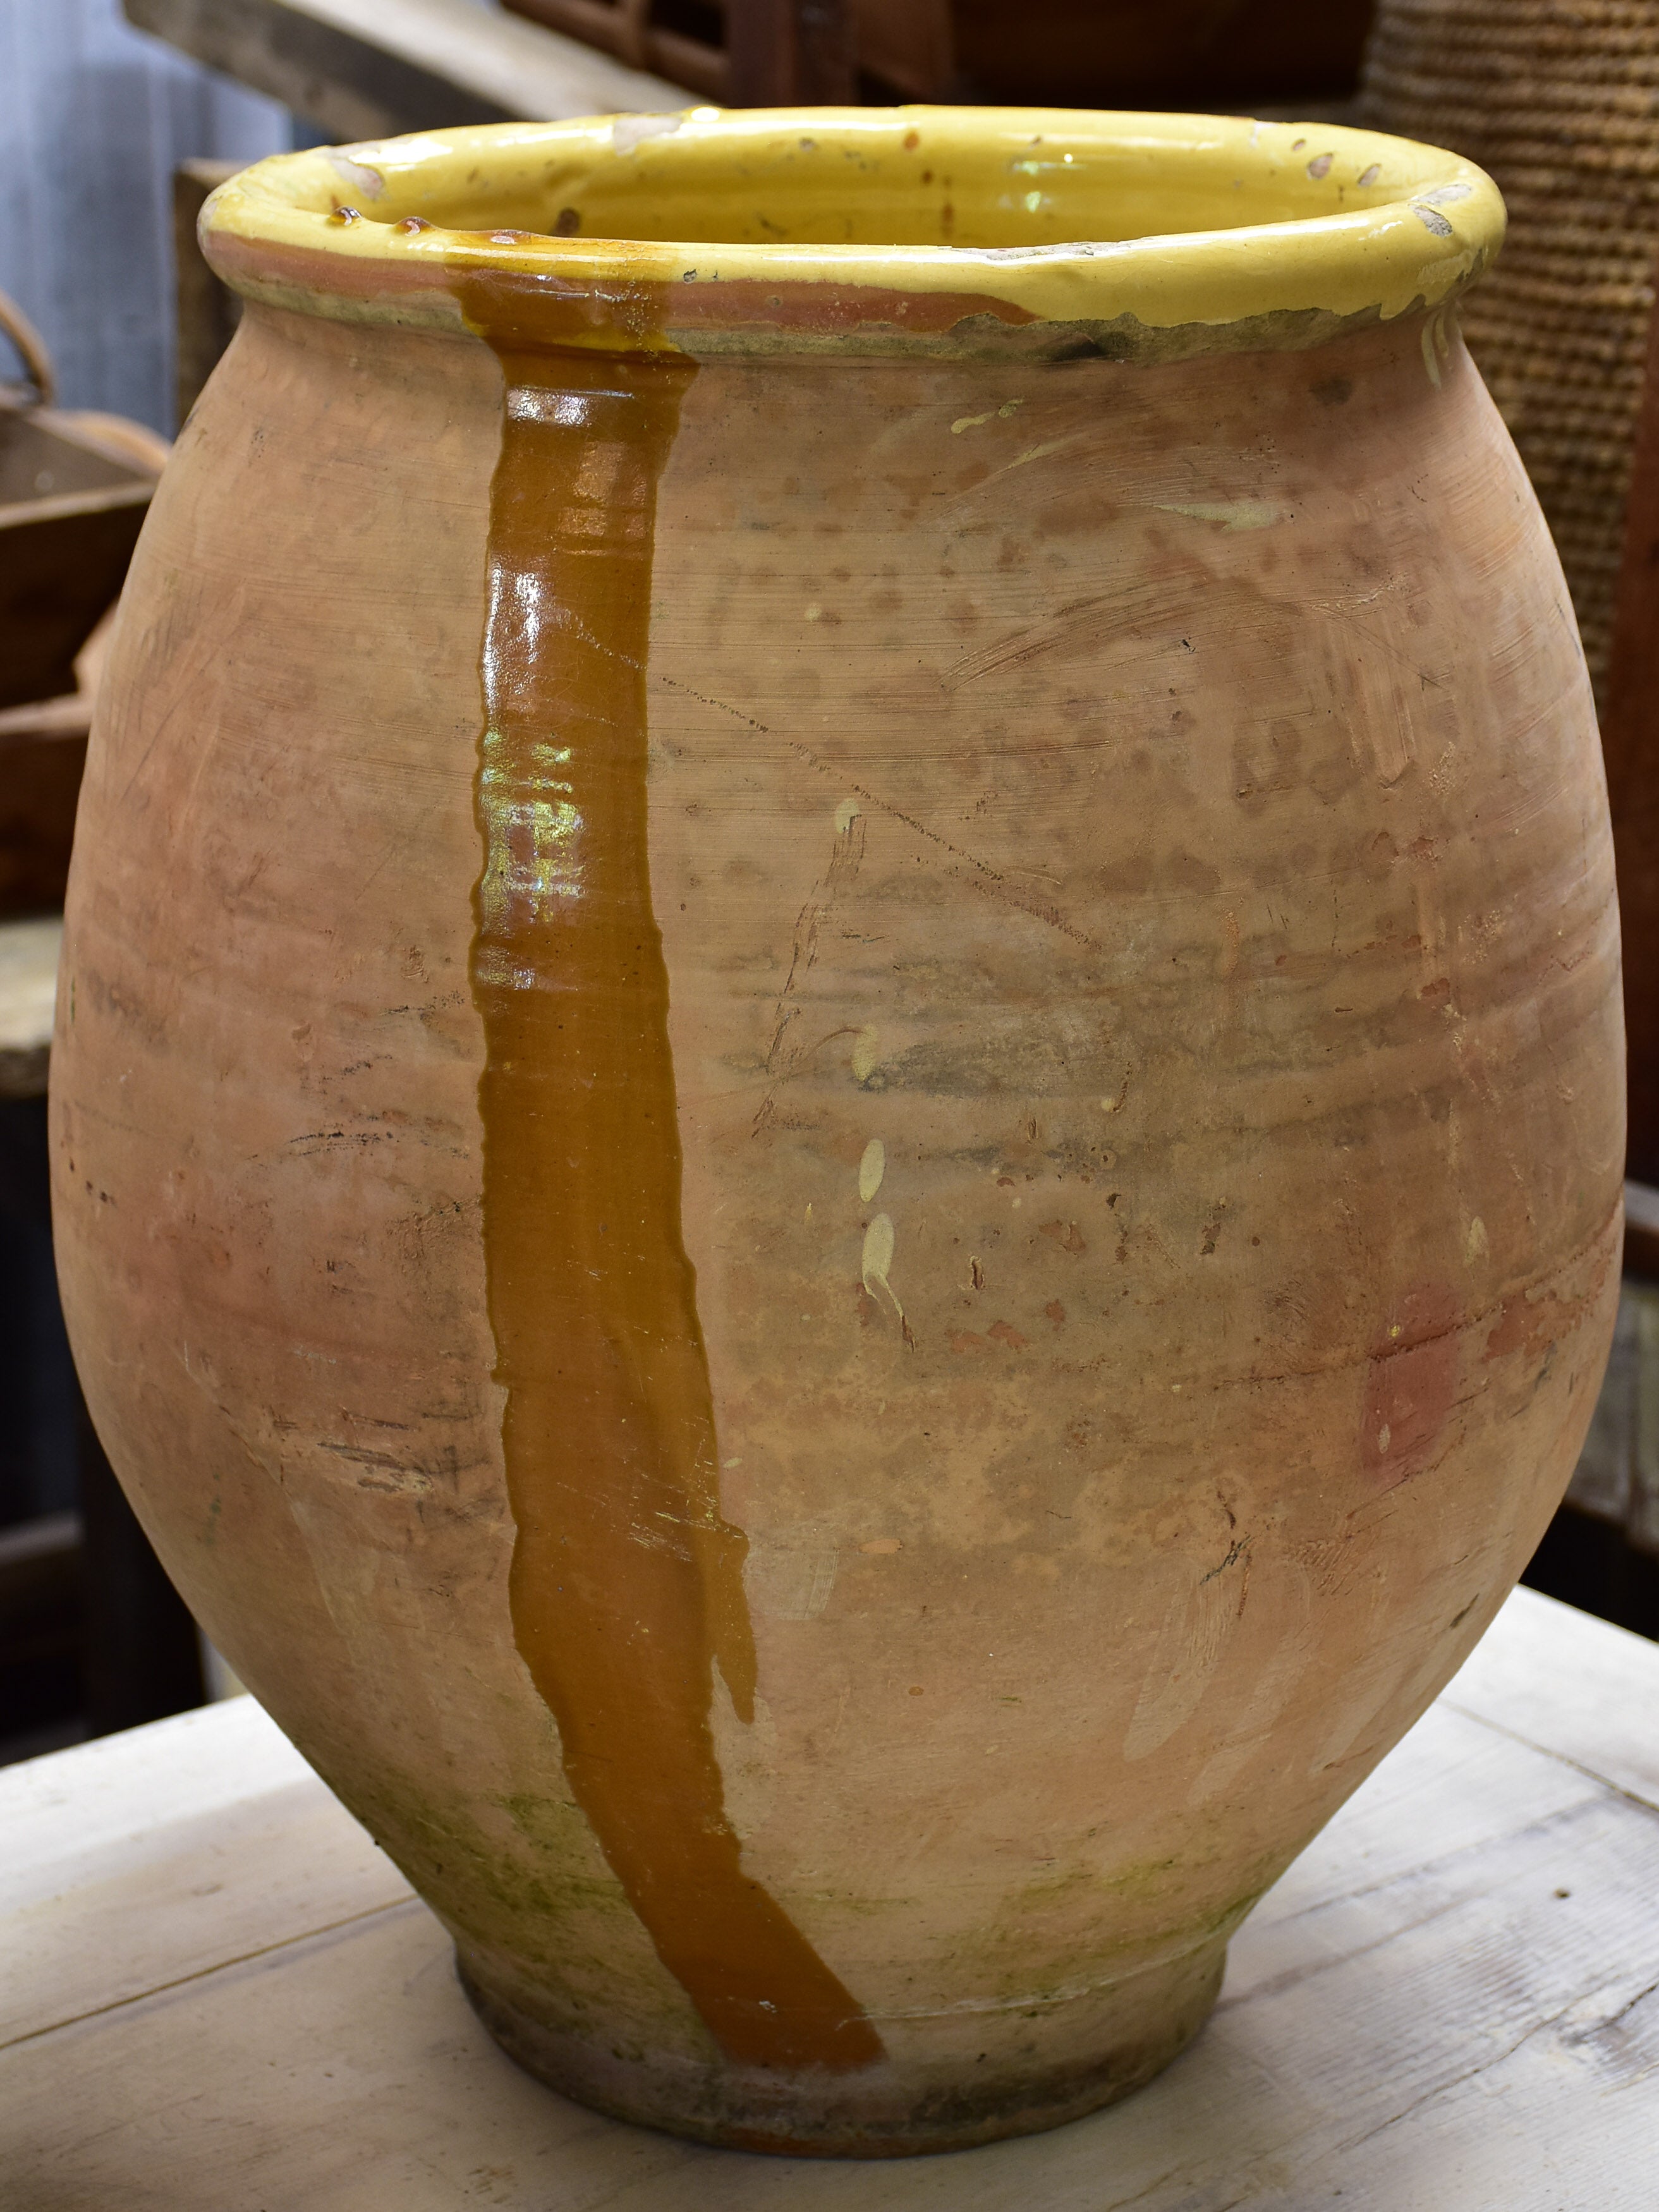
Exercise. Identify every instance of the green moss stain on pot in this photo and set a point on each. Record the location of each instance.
(627, 1584)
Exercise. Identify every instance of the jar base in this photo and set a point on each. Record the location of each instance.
(886, 2111)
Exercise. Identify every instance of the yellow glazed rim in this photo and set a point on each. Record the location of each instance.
(873, 230)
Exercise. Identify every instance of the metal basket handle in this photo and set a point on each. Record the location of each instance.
(31, 349)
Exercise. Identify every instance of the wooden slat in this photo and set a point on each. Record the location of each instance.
(782, 51)
(370, 68)
(39, 1601)
(1629, 742)
(1452, 2000)
(910, 48)
(623, 28)
(1641, 1226)
(905, 46)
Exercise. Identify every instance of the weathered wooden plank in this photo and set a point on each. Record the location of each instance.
(1468, 2027)
(370, 68)
(115, 1884)
(1451, 1999)
(1572, 1684)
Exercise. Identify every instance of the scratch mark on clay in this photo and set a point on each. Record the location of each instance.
(1230, 513)
(982, 870)
(721, 706)
(785, 1055)
(1187, 1652)
(1042, 452)
(984, 875)
(1039, 452)
(1068, 1993)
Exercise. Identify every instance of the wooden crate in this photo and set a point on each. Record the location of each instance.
(1085, 53)
(744, 54)
(43, 754)
(71, 504)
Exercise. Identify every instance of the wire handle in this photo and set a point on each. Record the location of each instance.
(30, 349)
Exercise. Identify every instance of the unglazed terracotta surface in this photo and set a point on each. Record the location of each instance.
(838, 1101)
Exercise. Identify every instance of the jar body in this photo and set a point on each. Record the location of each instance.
(1130, 859)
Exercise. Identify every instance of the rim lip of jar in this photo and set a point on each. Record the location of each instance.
(329, 232)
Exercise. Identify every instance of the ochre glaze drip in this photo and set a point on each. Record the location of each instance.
(626, 1586)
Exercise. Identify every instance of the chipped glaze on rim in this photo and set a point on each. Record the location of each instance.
(396, 231)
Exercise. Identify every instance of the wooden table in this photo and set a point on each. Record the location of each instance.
(217, 1996)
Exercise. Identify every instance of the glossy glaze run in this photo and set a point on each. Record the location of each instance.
(627, 1585)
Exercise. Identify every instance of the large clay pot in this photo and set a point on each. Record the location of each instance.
(848, 1319)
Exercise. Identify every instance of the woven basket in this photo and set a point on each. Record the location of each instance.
(1560, 103)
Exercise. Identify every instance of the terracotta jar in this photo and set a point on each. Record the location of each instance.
(838, 1102)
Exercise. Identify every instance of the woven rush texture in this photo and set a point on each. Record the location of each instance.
(1558, 100)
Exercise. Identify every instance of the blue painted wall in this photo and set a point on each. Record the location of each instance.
(93, 119)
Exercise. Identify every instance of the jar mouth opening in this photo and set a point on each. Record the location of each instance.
(1057, 212)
